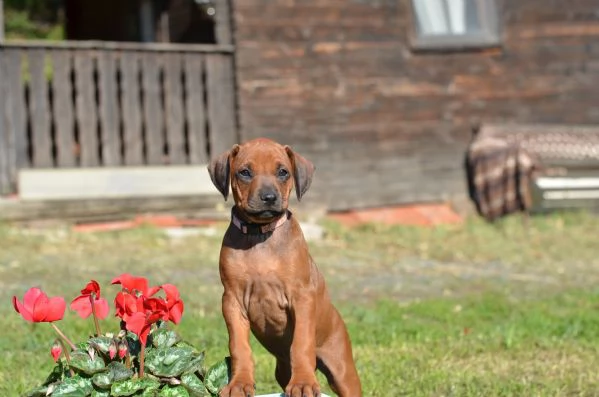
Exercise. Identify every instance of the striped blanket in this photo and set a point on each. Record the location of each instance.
(499, 176)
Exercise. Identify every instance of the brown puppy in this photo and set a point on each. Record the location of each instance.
(271, 284)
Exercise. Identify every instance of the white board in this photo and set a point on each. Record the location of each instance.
(283, 395)
(118, 182)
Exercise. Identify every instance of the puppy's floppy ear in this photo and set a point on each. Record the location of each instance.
(220, 170)
(302, 172)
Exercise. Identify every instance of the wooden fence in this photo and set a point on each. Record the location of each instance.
(97, 104)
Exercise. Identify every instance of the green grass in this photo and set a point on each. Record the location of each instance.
(470, 310)
(543, 347)
(19, 25)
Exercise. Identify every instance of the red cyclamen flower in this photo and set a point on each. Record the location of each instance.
(140, 322)
(135, 285)
(122, 349)
(112, 349)
(56, 351)
(83, 303)
(38, 308)
(139, 310)
(173, 302)
(126, 304)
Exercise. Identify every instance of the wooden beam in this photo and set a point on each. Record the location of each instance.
(131, 107)
(5, 147)
(221, 103)
(164, 30)
(146, 21)
(223, 22)
(202, 206)
(64, 109)
(120, 46)
(152, 106)
(86, 110)
(109, 112)
(39, 109)
(174, 112)
(1, 21)
(196, 115)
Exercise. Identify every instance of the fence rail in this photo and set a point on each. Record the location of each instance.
(94, 104)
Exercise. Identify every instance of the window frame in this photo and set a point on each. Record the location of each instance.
(488, 37)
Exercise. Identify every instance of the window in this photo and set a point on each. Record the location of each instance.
(454, 24)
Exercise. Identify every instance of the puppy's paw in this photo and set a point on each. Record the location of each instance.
(302, 388)
(238, 389)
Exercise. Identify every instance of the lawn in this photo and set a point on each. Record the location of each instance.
(468, 310)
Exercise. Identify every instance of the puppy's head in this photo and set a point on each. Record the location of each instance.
(261, 174)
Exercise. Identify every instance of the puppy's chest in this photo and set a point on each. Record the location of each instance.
(267, 304)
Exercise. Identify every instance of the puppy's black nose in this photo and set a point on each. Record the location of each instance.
(268, 197)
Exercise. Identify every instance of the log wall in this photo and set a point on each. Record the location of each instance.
(384, 124)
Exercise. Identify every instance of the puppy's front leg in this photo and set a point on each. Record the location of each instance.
(303, 381)
(242, 380)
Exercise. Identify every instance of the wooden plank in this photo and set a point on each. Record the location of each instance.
(540, 129)
(86, 109)
(64, 115)
(153, 112)
(221, 103)
(114, 182)
(16, 111)
(223, 22)
(1, 20)
(109, 117)
(39, 110)
(120, 46)
(5, 148)
(195, 108)
(202, 207)
(147, 21)
(175, 122)
(131, 107)
(5, 183)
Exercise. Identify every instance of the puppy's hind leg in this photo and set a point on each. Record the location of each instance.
(335, 361)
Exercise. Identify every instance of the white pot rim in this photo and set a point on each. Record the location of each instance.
(283, 395)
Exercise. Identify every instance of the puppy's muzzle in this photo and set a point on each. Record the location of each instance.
(265, 203)
(268, 197)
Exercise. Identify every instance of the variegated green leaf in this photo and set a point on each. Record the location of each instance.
(218, 376)
(168, 362)
(82, 361)
(174, 391)
(163, 337)
(194, 385)
(77, 386)
(131, 386)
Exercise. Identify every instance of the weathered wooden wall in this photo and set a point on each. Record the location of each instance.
(337, 79)
(103, 104)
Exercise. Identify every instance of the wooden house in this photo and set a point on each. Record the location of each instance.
(380, 94)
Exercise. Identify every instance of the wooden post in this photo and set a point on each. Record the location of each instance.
(5, 182)
(224, 36)
(4, 168)
(220, 77)
(146, 21)
(1, 21)
(223, 18)
(164, 28)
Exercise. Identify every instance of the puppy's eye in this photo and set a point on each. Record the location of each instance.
(245, 173)
(282, 173)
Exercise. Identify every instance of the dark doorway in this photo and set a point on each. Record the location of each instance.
(170, 21)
